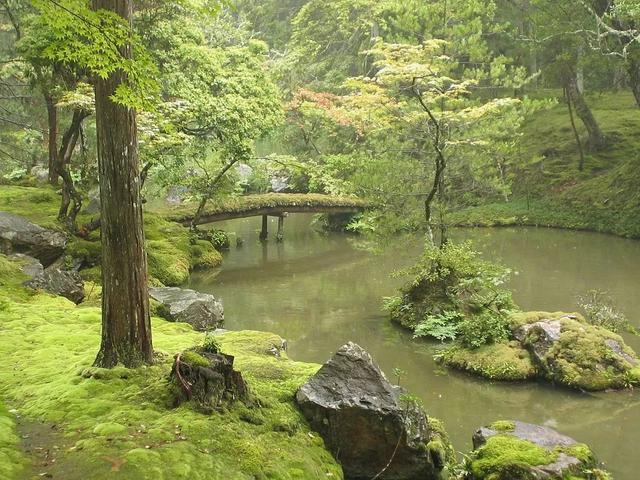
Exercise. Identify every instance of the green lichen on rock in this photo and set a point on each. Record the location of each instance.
(498, 361)
(12, 460)
(440, 448)
(579, 355)
(123, 415)
(503, 426)
(506, 457)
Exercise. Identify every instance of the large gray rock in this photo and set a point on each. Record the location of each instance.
(563, 457)
(19, 235)
(65, 283)
(201, 310)
(93, 207)
(30, 266)
(366, 422)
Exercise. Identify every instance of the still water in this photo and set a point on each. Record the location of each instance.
(321, 290)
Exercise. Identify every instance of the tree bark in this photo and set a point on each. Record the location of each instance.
(575, 132)
(63, 160)
(52, 123)
(633, 69)
(596, 139)
(126, 326)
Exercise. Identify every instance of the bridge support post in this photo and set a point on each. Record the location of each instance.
(280, 233)
(263, 231)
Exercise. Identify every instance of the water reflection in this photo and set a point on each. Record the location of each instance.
(318, 291)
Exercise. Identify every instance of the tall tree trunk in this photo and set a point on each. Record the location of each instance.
(633, 69)
(596, 139)
(52, 123)
(126, 326)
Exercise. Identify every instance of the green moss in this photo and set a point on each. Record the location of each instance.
(580, 451)
(503, 426)
(582, 359)
(440, 449)
(505, 456)
(518, 319)
(499, 361)
(109, 429)
(194, 358)
(204, 255)
(12, 460)
(118, 415)
(90, 252)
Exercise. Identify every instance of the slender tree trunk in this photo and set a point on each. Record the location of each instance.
(63, 160)
(126, 326)
(52, 122)
(210, 190)
(575, 132)
(596, 138)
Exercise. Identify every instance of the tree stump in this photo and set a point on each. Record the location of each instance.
(207, 379)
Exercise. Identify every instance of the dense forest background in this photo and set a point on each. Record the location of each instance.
(457, 111)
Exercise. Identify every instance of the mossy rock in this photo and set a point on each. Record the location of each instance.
(570, 351)
(508, 450)
(499, 361)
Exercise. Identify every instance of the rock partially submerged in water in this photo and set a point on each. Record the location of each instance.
(61, 282)
(560, 347)
(201, 310)
(207, 379)
(509, 450)
(19, 235)
(568, 350)
(368, 423)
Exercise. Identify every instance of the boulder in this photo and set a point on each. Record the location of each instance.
(568, 350)
(30, 266)
(369, 424)
(508, 450)
(93, 206)
(19, 235)
(40, 173)
(201, 310)
(207, 379)
(61, 282)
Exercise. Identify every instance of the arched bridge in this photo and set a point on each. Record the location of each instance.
(275, 205)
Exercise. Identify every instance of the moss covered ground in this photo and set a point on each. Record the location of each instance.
(117, 423)
(172, 253)
(12, 460)
(549, 190)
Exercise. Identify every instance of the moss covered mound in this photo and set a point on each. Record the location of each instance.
(561, 347)
(171, 250)
(570, 351)
(499, 361)
(118, 422)
(508, 450)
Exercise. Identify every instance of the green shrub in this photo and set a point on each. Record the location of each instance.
(455, 295)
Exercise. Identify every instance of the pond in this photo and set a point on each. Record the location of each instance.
(321, 290)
